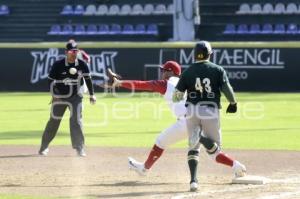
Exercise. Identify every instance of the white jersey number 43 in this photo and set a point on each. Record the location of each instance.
(205, 82)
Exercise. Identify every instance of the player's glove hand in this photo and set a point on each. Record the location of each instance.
(93, 99)
(113, 80)
(232, 108)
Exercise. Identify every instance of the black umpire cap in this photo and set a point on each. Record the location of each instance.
(71, 45)
(202, 50)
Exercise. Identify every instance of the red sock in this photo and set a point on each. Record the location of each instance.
(223, 158)
(153, 156)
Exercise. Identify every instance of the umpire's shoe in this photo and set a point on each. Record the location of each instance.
(43, 152)
(81, 152)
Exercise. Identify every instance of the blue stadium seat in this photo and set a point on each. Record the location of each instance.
(55, 30)
(244, 9)
(128, 29)
(79, 29)
(125, 10)
(279, 8)
(79, 10)
(279, 29)
(102, 10)
(67, 10)
(137, 9)
(92, 29)
(291, 8)
(292, 29)
(267, 29)
(4, 10)
(152, 29)
(140, 29)
(171, 8)
(242, 29)
(160, 9)
(229, 29)
(90, 10)
(115, 29)
(67, 30)
(256, 9)
(254, 29)
(103, 29)
(267, 9)
(148, 9)
(113, 10)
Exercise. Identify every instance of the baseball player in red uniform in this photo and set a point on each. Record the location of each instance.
(176, 132)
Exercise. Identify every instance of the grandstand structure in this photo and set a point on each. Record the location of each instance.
(95, 20)
(147, 20)
(251, 20)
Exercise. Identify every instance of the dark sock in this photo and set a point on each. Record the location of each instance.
(193, 158)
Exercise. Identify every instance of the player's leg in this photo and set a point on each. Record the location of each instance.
(169, 136)
(77, 136)
(193, 126)
(58, 109)
(211, 140)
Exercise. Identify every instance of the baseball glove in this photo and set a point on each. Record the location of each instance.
(113, 80)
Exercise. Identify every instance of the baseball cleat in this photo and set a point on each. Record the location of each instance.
(81, 152)
(193, 186)
(239, 169)
(137, 166)
(44, 152)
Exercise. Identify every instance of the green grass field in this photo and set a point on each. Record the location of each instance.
(263, 121)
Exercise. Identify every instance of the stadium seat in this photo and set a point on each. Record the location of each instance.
(229, 29)
(67, 10)
(103, 29)
(148, 9)
(242, 29)
(54, 30)
(291, 8)
(292, 29)
(279, 8)
(254, 29)
(115, 29)
(170, 9)
(79, 29)
(67, 30)
(268, 9)
(79, 10)
(113, 10)
(267, 29)
(140, 29)
(256, 9)
(128, 29)
(160, 9)
(279, 29)
(244, 9)
(125, 10)
(92, 29)
(4, 10)
(137, 9)
(90, 10)
(152, 29)
(102, 10)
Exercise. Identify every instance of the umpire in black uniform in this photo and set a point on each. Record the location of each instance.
(66, 79)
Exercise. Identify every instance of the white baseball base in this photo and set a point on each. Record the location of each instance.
(250, 179)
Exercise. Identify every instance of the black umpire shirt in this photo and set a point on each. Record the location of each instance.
(65, 84)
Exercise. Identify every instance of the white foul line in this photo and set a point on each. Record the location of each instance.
(280, 195)
(216, 191)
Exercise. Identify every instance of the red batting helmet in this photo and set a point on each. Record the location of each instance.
(172, 66)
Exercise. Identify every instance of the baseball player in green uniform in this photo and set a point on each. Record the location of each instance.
(203, 83)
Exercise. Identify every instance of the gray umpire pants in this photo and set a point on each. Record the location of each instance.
(58, 109)
(204, 119)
